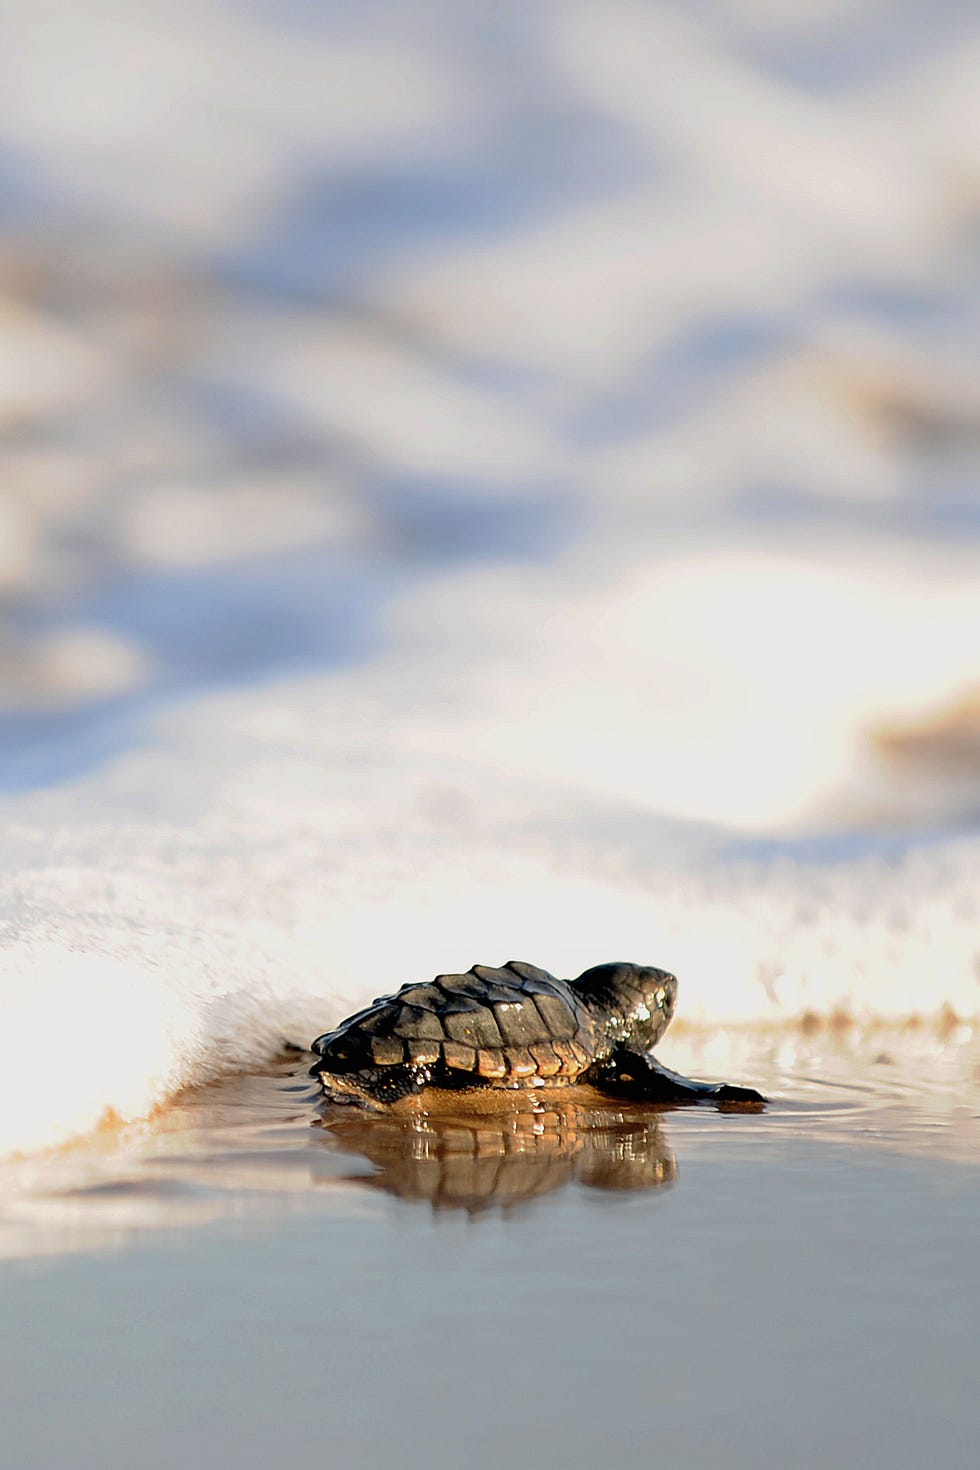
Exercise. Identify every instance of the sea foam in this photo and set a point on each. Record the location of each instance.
(267, 861)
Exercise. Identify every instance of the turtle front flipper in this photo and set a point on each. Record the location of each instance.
(637, 1075)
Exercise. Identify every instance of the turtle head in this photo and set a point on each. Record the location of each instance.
(633, 1004)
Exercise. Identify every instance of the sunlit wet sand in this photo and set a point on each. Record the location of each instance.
(262, 1143)
(780, 1287)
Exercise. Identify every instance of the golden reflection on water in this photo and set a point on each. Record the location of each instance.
(472, 1163)
(256, 1147)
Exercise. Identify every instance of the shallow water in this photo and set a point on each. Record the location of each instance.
(265, 1275)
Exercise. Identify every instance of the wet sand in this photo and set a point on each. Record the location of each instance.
(255, 1275)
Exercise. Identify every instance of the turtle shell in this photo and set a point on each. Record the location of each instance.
(509, 1025)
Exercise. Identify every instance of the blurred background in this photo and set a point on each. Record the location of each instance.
(599, 380)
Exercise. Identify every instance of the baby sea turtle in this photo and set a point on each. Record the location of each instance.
(514, 1027)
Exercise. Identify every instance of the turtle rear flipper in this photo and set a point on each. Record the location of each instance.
(637, 1075)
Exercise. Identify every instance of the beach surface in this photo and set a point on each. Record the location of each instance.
(483, 483)
(789, 1286)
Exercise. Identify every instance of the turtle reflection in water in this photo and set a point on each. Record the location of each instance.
(475, 1163)
(492, 1031)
